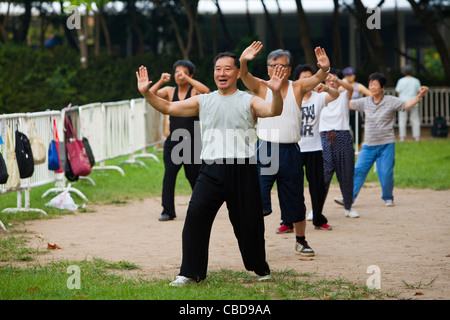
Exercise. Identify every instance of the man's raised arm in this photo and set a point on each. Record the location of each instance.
(250, 81)
(184, 108)
(308, 84)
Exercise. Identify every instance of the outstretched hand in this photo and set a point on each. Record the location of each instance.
(322, 59)
(251, 51)
(143, 83)
(278, 76)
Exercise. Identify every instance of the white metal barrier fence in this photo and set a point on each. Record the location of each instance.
(113, 129)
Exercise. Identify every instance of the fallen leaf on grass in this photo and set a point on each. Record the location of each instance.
(52, 246)
(33, 289)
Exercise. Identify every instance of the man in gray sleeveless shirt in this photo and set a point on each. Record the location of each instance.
(229, 172)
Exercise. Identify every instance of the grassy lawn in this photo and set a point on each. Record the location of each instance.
(418, 165)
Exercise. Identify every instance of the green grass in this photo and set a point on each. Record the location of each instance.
(99, 280)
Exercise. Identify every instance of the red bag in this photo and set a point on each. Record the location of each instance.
(76, 153)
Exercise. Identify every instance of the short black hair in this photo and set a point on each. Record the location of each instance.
(185, 63)
(379, 77)
(337, 72)
(303, 68)
(237, 63)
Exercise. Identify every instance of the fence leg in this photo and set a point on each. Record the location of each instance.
(103, 167)
(2, 226)
(133, 160)
(27, 204)
(60, 186)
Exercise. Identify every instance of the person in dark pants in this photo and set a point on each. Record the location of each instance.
(229, 172)
(337, 142)
(186, 86)
(283, 132)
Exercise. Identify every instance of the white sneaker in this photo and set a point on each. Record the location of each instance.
(310, 216)
(265, 278)
(181, 281)
(389, 203)
(339, 201)
(351, 213)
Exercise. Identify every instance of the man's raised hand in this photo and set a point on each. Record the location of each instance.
(143, 83)
(279, 74)
(322, 59)
(251, 51)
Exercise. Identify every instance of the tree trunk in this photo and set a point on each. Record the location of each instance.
(191, 25)
(135, 26)
(276, 40)
(280, 25)
(433, 31)
(178, 35)
(21, 34)
(3, 30)
(224, 25)
(378, 44)
(249, 20)
(82, 37)
(337, 48)
(197, 30)
(305, 38)
(67, 32)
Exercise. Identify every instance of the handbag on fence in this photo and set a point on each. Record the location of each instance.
(37, 145)
(24, 155)
(76, 153)
(3, 171)
(11, 163)
(53, 151)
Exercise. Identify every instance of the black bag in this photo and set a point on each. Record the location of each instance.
(68, 172)
(440, 128)
(89, 152)
(3, 171)
(24, 155)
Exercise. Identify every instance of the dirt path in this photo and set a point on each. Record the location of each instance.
(409, 242)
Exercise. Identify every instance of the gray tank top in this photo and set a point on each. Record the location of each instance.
(227, 126)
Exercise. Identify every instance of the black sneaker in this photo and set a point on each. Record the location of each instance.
(304, 249)
(165, 217)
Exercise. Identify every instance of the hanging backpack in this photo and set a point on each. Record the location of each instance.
(440, 129)
(24, 155)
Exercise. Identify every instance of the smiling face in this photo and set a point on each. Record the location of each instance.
(226, 74)
(375, 88)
